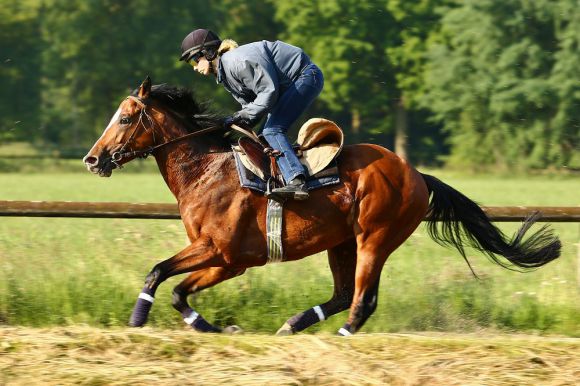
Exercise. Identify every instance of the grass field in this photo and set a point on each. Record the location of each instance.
(91, 356)
(56, 272)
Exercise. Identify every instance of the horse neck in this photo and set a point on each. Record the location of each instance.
(184, 164)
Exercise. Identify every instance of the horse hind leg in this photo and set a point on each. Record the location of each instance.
(372, 252)
(387, 216)
(364, 304)
(193, 284)
(342, 261)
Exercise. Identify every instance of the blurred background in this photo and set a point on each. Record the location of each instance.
(484, 94)
(480, 84)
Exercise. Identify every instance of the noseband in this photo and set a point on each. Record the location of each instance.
(117, 156)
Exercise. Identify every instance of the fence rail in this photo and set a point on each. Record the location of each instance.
(170, 211)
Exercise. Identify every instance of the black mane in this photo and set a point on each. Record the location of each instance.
(181, 101)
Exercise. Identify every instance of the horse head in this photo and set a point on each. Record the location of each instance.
(128, 135)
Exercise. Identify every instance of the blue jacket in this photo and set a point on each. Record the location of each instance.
(256, 74)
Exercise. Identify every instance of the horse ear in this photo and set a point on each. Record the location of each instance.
(145, 88)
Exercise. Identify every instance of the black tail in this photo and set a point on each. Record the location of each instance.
(463, 222)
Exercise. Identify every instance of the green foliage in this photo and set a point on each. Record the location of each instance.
(348, 39)
(493, 83)
(20, 69)
(501, 82)
(417, 23)
(100, 50)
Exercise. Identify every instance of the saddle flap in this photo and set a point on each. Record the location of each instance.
(253, 153)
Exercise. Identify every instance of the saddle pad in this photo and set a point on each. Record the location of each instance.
(328, 176)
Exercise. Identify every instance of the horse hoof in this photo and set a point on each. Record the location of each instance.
(232, 330)
(285, 330)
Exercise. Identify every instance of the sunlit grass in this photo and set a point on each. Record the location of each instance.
(67, 271)
(83, 355)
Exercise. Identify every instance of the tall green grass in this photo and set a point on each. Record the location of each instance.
(68, 271)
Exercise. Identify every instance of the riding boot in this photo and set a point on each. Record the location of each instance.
(294, 190)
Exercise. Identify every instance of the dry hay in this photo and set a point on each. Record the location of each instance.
(84, 355)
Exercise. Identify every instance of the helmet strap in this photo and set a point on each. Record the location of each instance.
(210, 54)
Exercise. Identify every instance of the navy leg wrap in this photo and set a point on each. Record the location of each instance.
(303, 320)
(142, 308)
(198, 323)
(203, 325)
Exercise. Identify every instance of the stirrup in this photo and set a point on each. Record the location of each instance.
(270, 195)
(296, 192)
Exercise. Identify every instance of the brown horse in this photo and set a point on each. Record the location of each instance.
(378, 204)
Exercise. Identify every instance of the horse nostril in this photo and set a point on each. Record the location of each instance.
(91, 160)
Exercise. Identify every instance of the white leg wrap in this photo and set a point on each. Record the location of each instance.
(344, 332)
(147, 297)
(191, 318)
(319, 312)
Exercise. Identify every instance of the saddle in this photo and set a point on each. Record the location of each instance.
(319, 142)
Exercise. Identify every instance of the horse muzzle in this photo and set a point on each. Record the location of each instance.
(102, 166)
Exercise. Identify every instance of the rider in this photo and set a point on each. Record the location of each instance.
(267, 78)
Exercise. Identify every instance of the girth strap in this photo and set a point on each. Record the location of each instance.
(274, 226)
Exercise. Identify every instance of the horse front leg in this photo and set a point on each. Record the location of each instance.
(201, 254)
(193, 284)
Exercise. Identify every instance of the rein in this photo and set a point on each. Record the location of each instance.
(120, 154)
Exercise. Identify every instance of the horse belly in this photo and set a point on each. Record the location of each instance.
(320, 223)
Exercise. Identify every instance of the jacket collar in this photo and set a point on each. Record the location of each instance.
(220, 73)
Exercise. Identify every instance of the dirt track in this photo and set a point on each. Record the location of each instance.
(84, 355)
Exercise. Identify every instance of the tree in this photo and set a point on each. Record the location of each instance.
(347, 39)
(417, 26)
(502, 83)
(20, 68)
(373, 54)
(96, 52)
(565, 77)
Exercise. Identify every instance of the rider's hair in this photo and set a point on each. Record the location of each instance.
(226, 45)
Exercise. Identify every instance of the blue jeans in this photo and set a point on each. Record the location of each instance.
(291, 104)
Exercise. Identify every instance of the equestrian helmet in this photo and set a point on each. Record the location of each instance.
(200, 40)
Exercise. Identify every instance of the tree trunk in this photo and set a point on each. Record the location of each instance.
(401, 128)
(355, 124)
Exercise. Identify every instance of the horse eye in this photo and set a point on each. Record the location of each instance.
(125, 120)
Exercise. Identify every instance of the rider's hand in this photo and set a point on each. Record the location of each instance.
(229, 121)
(238, 119)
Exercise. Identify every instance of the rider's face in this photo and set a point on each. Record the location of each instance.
(203, 66)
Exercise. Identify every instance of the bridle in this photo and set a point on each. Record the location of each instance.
(118, 155)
